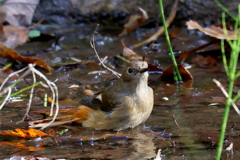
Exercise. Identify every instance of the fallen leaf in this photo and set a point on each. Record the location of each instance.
(185, 54)
(168, 73)
(18, 12)
(207, 61)
(134, 22)
(6, 52)
(13, 36)
(92, 65)
(161, 29)
(154, 68)
(213, 31)
(30, 133)
(51, 132)
(34, 33)
(5, 73)
(130, 54)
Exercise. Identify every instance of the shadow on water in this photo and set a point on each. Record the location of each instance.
(197, 105)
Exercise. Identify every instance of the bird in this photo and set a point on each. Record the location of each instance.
(125, 104)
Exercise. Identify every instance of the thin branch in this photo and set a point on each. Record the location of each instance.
(175, 121)
(57, 107)
(54, 91)
(6, 99)
(50, 85)
(31, 92)
(226, 95)
(10, 75)
(92, 43)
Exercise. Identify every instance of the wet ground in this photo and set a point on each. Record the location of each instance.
(197, 105)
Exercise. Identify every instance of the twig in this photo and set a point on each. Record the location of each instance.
(160, 31)
(226, 95)
(8, 95)
(92, 43)
(175, 121)
(54, 91)
(9, 76)
(35, 25)
(31, 92)
(50, 84)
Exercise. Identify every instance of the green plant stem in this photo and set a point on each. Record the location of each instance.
(226, 10)
(231, 74)
(123, 59)
(177, 75)
(224, 58)
(22, 90)
(224, 124)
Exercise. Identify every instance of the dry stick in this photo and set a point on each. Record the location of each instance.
(51, 85)
(8, 95)
(10, 75)
(94, 48)
(9, 89)
(57, 105)
(226, 95)
(175, 121)
(54, 90)
(31, 92)
(35, 25)
(160, 31)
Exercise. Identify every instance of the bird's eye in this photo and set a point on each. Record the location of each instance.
(130, 70)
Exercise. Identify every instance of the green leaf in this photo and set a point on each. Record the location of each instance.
(34, 33)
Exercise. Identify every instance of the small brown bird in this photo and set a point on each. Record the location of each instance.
(126, 104)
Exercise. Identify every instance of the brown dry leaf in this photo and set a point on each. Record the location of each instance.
(134, 22)
(184, 55)
(153, 67)
(12, 36)
(168, 73)
(213, 31)
(18, 12)
(6, 52)
(51, 132)
(130, 54)
(25, 133)
(207, 61)
(92, 65)
(161, 29)
(5, 73)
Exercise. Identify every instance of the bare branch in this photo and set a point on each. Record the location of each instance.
(92, 43)
(31, 92)
(51, 85)
(7, 97)
(226, 95)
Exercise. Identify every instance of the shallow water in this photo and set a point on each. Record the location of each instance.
(197, 105)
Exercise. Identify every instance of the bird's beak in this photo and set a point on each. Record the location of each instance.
(144, 70)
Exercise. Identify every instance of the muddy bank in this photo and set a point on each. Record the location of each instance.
(115, 12)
